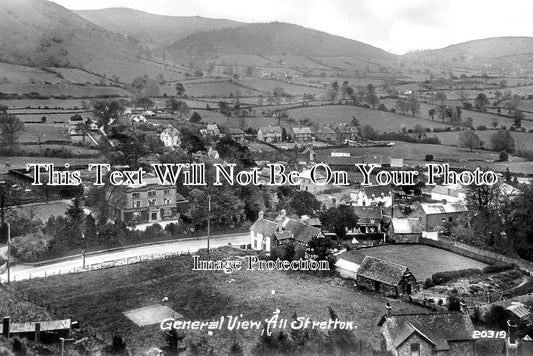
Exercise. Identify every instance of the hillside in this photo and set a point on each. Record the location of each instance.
(497, 52)
(269, 39)
(42, 33)
(156, 30)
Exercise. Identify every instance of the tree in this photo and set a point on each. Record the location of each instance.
(105, 110)
(512, 104)
(468, 139)
(419, 131)
(128, 149)
(502, 141)
(180, 89)
(144, 102)
(10, 129)
(368, 132)
(178, 106)
(144, 86)
(413, 104)
(463, 97)
(402, 106)
(338, 219)
(441, 98)
(481, 102)
(432, 113)
(227, 208)
(320, 248)
(195, 117)
(303, 203)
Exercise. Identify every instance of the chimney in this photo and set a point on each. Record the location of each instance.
(260, 215)
(281, 219)
(5, 327)
(511, 328)
(388, 308)
(444, 201)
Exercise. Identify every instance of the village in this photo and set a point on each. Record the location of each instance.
(184, 185)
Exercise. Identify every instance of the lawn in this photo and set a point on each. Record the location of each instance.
(43, 211)
(98, 298)
(422, 261)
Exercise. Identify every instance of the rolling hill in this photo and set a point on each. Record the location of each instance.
(43, 34)
(157, 30)
(270, 39)
(497, 52)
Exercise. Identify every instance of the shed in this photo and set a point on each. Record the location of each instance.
(385, 277)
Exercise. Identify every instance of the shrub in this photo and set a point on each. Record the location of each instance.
(504, 156)
(429, 158)
(498, 268)
(428, 283)
(481, 128)
(444, 277)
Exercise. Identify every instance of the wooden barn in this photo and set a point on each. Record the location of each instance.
(385, 277)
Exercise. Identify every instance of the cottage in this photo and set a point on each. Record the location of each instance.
(369, 219)
(372, 195)
(405, 230)
(237, 134)
(307, 185)
(427, 334)
(266, 234)
(269, 134)
(212, 130)
(435, 216)
(347, 132)
(385, 277)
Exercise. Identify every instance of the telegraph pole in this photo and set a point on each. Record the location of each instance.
(208, 221)
(8, 252)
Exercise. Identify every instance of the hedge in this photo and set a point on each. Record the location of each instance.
(444, 277)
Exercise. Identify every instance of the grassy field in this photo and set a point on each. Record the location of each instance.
(43, 211)
(46, 132)
(99, 298)
(380, 121)
(422, 261)
(523, 140)
(268, 85)
(62, 89)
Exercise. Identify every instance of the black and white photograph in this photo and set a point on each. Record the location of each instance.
(256, 178)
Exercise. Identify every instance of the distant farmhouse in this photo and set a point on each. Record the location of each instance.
(301, 135)
(269, 134)
(171, 137)
(373, 195)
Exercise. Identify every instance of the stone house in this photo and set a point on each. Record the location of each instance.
(404, 230)
(442, 334)
(435, 216)
(269, 134)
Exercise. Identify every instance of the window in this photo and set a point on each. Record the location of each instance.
(167, 212)
(167, 200)
(450, 219)
(415, 349)
(166, 192)
(136, 215)
(151, 202)
(151, 193)
(136, 204)
(136, 195)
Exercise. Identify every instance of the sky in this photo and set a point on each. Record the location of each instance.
(397, 26)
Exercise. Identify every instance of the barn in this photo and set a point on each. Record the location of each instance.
(385, 277)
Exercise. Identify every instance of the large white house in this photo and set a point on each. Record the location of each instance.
(269, 134)
(372, 195)
(170, 136)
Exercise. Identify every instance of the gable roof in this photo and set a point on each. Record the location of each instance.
(367, 213)
(382, 271)
(301, 232)
(272, 129)
(377, 190)
(325, 130)
(439, 208)
(406, 225)
(264, 227)
(302, 131)
(436, 328)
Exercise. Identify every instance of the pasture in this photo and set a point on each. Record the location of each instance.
(99, 298)
(422, 261)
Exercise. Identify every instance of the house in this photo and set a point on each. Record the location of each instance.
(266, 234)
(307, 185)
(449, 193)
(372, 195)
(237, 134)
(269, 134)
(369, 219)
(435, 216)
(76, 125)
(326, 134)
(385, 277)
(303, 134)
(170, 136)
(40, 331)
(347, 132)
(212, 130)
(149, 202)
(405, 230)
(427, 334)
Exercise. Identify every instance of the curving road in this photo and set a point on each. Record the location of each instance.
(21, 271)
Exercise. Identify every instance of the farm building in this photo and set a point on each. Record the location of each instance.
(326, 134)
(434, 216)
(369, 219)
(46, 331)
(348, 263)
(405, 230)
(385, 277)
(427, 334)
(449, 193)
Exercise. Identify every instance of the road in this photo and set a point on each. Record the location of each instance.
(21, 271)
